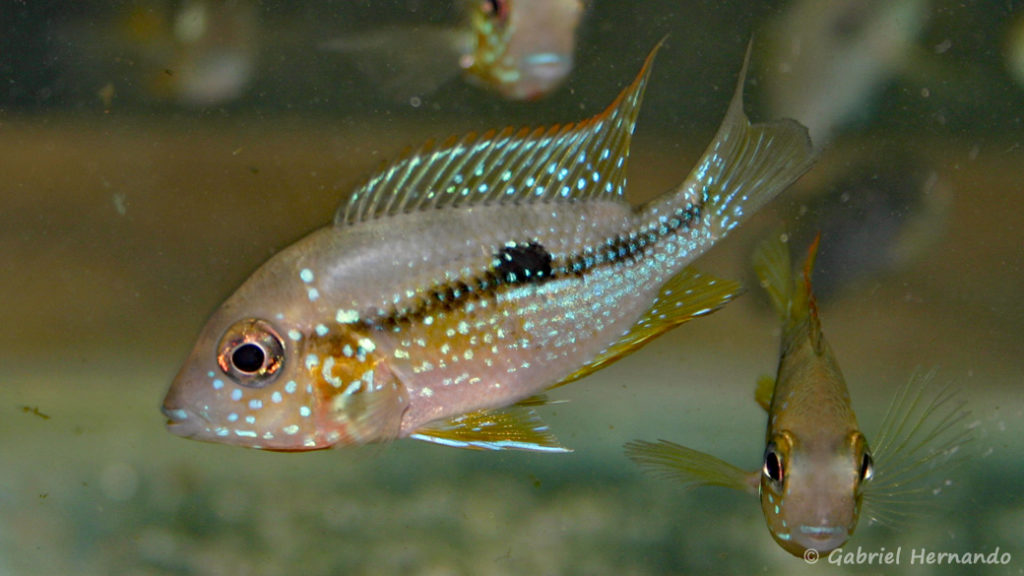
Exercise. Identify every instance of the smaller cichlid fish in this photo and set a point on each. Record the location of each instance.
(202, 54)
(523, 49)
(520, 49)
(817, 466)
(830, 60)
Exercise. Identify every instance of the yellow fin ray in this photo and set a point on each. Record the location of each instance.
(792, 298)
(774, 271)
(686, 296)
(692, 468)
(764, 391)
(513, 428)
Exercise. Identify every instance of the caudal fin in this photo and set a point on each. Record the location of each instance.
(744, 167)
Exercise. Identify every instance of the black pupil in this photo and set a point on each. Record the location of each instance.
(248, 358)
(772, 465)
(865, 466)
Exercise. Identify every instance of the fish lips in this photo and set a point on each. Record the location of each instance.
(821, 538)
(182, 422)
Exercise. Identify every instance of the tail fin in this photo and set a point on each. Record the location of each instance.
(745, 165)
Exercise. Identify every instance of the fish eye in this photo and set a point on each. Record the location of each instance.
(867, 467)
(497, 8)
(251, 353)
(773, 464)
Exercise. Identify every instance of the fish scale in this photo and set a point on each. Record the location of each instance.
(466, 278)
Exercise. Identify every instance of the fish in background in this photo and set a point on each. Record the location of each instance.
(828, 61)
(467, 278)
(520, 49)
(883, 207)
(200, 53)
(817, 467)
(1014, 50)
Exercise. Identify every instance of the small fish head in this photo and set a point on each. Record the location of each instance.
(524, 48)
(811, 491)
(263, 375)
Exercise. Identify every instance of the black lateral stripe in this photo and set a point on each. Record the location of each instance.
(522, 263)
(530, 263)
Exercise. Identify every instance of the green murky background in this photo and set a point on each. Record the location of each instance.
(125, 217)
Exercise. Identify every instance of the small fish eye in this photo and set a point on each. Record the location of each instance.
(496, 8)
(773, 469)
(251, 353)
(867, 467)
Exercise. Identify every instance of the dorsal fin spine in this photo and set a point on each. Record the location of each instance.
(469, 170)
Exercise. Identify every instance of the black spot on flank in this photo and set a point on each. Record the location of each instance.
(522, 263)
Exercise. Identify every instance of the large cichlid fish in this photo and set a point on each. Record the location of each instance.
(818, 467)
(465, 279)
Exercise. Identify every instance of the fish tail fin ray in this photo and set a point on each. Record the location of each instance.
(743, 167)
(689, 466)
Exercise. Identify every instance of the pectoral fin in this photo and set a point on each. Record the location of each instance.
(686, 296)
(513, 428)
(689, 466)
(763, 392)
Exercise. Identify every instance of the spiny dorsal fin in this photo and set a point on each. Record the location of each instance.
(775, 272)
(692, 468)
(686, 296)
(568, 162)
(513, 428)
(792, 298)
(807, 296)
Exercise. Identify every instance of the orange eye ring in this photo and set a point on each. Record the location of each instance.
(251, 353)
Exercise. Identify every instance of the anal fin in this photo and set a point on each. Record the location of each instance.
(686, 296)
(514, 428)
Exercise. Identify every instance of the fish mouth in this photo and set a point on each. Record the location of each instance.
(823, 538)
(181, 421)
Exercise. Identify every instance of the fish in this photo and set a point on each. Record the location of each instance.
(202, 54)
(523, 49)
(518, 49)
(817, 467)
(462, 281)
(1013, 50)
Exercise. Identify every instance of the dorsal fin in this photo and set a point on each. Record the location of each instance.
(573, 161)
(807, 295)
(792, 298)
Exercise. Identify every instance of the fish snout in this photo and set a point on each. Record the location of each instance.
(180, 421)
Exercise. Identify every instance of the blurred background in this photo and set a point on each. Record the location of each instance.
(154, 153)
